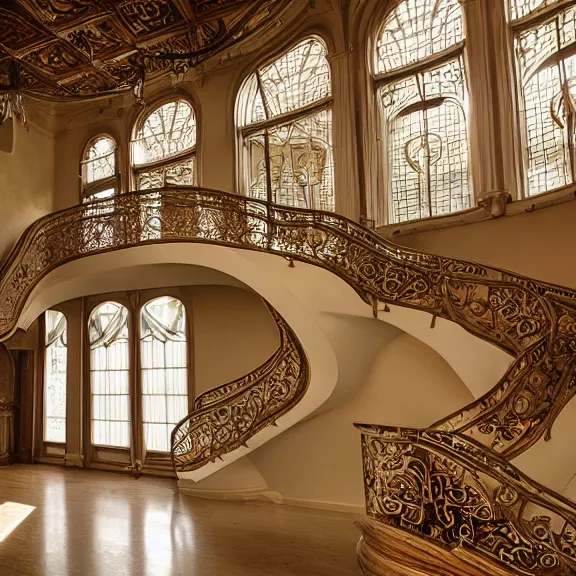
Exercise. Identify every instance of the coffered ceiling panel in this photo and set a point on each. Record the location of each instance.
(83, 48)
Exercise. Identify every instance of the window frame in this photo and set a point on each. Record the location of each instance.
(47, 451)
(157, 454)
(243, 131)
(131, 413)
(191, 153)
(136, 456)
(382, 215)
(87, 190)
(45, 348)
(514, 28)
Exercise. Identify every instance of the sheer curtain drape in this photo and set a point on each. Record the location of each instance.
(55, 376)
(109, 375)
(164, 372)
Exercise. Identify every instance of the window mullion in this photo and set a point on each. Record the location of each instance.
(267, 159)
(494, 145)
(420, 66)
(542, 46)
(137, 452)
(427, 171)
(294, 119)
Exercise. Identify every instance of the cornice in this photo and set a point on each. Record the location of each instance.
(481, 213)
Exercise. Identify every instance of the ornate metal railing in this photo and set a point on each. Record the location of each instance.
(450, 489)
(534, 321)
(226, 417)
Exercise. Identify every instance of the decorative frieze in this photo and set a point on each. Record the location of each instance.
(67, 46)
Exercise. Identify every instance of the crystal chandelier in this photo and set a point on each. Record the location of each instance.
(11, 100)
(12, 106)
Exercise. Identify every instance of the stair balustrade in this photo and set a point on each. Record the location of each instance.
(462, 460)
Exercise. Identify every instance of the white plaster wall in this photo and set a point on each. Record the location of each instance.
(233, 334)
(319, 462)
(26, 182)
(534, 244)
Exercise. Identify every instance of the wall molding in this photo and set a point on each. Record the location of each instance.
(259, 494)
(74, 460)
(265, 494)
(480, 214)
(356, 509)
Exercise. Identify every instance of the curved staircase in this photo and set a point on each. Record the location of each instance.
(451, 484)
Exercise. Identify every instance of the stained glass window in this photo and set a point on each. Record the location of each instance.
(109, 375)
(99, 173)
(418, 29)
(521, 8)
(286, 120)
(181, 174)
(163, 352)
(425, 112)
(164, 147)
(546, 62)
(56, 355)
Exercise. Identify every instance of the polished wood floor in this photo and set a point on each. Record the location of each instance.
(90, 523)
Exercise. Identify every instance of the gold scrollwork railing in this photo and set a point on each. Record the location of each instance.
(226, 417)
(534, 321)
(450, 489)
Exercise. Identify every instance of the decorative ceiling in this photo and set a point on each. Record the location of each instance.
(83, 48)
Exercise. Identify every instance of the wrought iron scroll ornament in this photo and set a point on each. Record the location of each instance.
(450, 489)
(226, 417)
(533, 321)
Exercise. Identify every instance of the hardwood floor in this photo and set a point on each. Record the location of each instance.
(90, 523)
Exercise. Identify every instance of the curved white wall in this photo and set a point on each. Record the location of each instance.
(319, 462)
(26, 183)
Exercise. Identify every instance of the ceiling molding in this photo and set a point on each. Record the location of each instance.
(74, 49)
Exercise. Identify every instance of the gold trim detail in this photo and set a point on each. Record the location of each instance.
(90, 48)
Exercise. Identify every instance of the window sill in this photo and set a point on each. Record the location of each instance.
(479, 214)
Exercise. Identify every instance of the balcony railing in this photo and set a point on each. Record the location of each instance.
(534, 321)
(226, 417)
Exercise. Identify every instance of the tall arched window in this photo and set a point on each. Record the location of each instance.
(164, 147)
(164, 365)
(55, 369)
(109, 375)
(545, 46)
(285, 116)
(99, 173)
(421, 86)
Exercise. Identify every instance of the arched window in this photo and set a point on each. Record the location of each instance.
(99, 172)
(109, 375)
(55, 367)
(545, 46)
(164, 147)
(164, 365)
(421, 87)
(285, 117)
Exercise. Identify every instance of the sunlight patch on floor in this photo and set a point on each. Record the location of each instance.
(12, 514)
